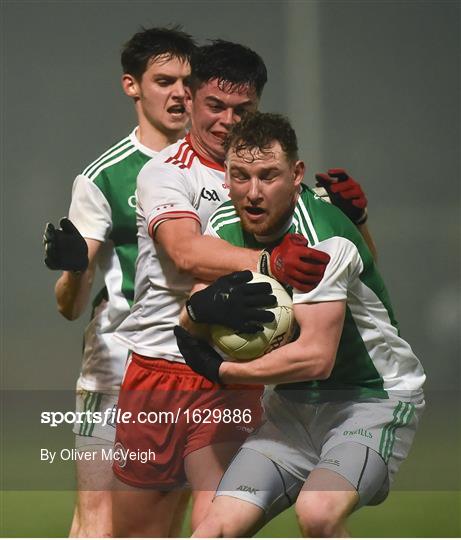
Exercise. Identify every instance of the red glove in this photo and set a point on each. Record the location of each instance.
(294, 263)
(345, 193)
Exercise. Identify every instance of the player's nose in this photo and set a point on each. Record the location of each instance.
(254, 191)
(227, 117)
(179, 89)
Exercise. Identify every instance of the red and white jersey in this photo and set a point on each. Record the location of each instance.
(176, 183)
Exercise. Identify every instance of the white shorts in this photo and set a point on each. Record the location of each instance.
(254, 478)
(91, 402)
(298, 436)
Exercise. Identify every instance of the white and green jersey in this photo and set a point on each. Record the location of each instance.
(372, 358)
(103, 208)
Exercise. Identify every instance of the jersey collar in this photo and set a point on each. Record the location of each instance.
(204, 160)
(139, 146)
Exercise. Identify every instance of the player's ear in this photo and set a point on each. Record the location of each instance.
(298, 172)
(130, 86)
(188, 99)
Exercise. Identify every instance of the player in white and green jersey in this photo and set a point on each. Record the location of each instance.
(102, 232)
(360, 369)
(348, 390)
(103, 209)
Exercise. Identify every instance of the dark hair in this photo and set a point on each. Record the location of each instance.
(233, 65)
(257, 131)
(153, 42)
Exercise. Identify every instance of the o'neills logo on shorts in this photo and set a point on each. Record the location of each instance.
(119, 454)
(360, 431)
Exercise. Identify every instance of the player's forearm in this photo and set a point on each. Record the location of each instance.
(72, 292)
(208, 258)
(365, 232)
(291, 363)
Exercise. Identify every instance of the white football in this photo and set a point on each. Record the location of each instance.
(275, 334)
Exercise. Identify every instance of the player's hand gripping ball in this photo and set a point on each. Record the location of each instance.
(274, 334)
(233, 301)
(198, 354)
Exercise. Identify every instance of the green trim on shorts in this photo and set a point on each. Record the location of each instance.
(91, 404)
(85, 404)
(403, 413)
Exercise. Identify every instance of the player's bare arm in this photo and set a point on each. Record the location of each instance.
(365, 232)
(204, 257)
(310, 357)
(292, 262)
(72, 290)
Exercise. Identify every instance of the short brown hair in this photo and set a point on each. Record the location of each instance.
(257, 131)
(150, 43)
(234, 66)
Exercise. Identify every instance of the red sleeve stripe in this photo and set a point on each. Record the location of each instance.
(192, 155)
(178, 161)
(177, 214)
(183, 158)
(183, 154)
(182, 146)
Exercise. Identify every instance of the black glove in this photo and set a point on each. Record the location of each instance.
(199, 355)
(345, 193)
(233, 302)
(65, 248)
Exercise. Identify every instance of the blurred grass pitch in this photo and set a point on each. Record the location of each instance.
(403, 514)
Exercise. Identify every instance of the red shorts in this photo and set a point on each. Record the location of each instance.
(170, 411)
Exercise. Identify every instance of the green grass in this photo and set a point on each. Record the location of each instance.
(404, 514)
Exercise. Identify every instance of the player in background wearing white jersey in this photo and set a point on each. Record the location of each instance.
(348, 394)
(102, 233)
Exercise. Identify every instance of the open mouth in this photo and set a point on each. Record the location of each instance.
(254, 210)
(176, 109)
